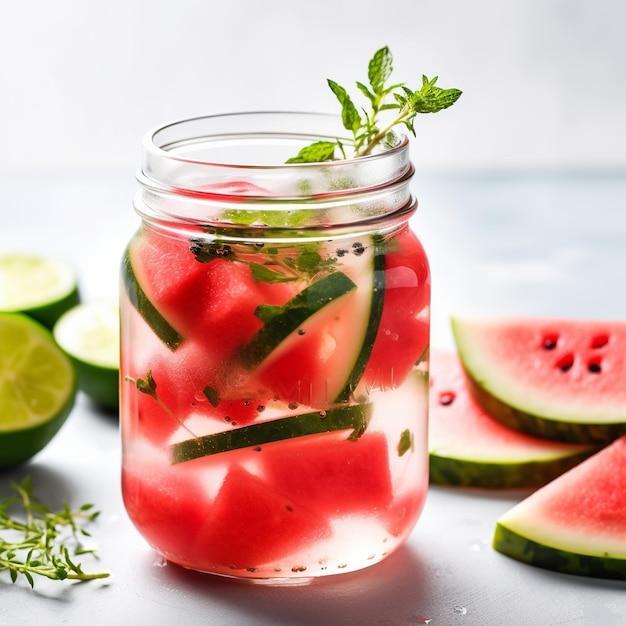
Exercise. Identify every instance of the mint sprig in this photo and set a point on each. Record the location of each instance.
(367, 127)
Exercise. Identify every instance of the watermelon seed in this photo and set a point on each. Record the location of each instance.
(594, 367)
(446, 398)
(566, 362)
(550, 341)
(599, 341)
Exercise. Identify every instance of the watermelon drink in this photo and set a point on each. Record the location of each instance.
(274, 357)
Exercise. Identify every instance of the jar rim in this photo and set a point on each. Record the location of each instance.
(159, 144)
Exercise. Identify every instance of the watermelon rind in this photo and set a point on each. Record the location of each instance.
(468, 448)
(520, 382)
(153, 317)
(514, 545)
(496, 475)
(575, 524)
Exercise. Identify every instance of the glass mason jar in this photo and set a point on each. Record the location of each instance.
(274, 357)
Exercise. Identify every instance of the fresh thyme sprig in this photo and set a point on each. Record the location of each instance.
(367, 128)
(39, 542)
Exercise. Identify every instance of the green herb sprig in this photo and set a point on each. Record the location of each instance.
(36, 541)
(280, 263)
(367, 128)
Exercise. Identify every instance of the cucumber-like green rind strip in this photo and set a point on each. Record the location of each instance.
(138, 298)
(293, 314)
(354, 417)
(556, 430)
(376, 312)
(491, 475)
(510, 543)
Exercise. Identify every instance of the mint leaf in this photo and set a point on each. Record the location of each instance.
(406, 442)
(211, 395)
(380, 69)
(316, 152)
(263, 274)
(369, 131)
(349, 114)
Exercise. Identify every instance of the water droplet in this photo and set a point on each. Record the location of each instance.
(160, 561)
(460, 610)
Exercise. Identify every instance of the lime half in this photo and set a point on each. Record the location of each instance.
(90, 334)
(37, 388)
(42, 287)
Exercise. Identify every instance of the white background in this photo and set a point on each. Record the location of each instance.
(544, 81)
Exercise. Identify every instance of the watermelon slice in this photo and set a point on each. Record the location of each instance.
(469, 448)
(404, 329)
(558, 379)
(577, 523)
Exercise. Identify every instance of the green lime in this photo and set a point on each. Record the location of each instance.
(90, 334)
(37, 388)
(42, 287)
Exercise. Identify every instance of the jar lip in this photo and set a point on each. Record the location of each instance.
(164, 148)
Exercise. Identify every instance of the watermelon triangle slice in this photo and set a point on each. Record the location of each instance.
(561, 379)
(577, 523)
(469, 448)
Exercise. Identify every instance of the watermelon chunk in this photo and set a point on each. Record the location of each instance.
(404, 329)
(167, 507)
(331, 474)
(577, 523)
(252, 525)
(558, 379)
(315, 348)
(469, 448)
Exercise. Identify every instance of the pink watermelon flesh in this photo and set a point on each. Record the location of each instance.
(469, 447)
(558, 379)
(576, 523)
(252, 525)
(331, 474)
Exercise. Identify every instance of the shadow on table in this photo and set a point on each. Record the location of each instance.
(389, 592)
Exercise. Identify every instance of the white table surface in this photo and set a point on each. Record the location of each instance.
(503, 244)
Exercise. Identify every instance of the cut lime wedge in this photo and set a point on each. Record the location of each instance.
(89, 333)
(42, 287)
(37, 388)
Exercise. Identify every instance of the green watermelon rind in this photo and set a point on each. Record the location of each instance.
(506, 406)
(596, 433)
(512, 544)
(498, 475)
(150, 313)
